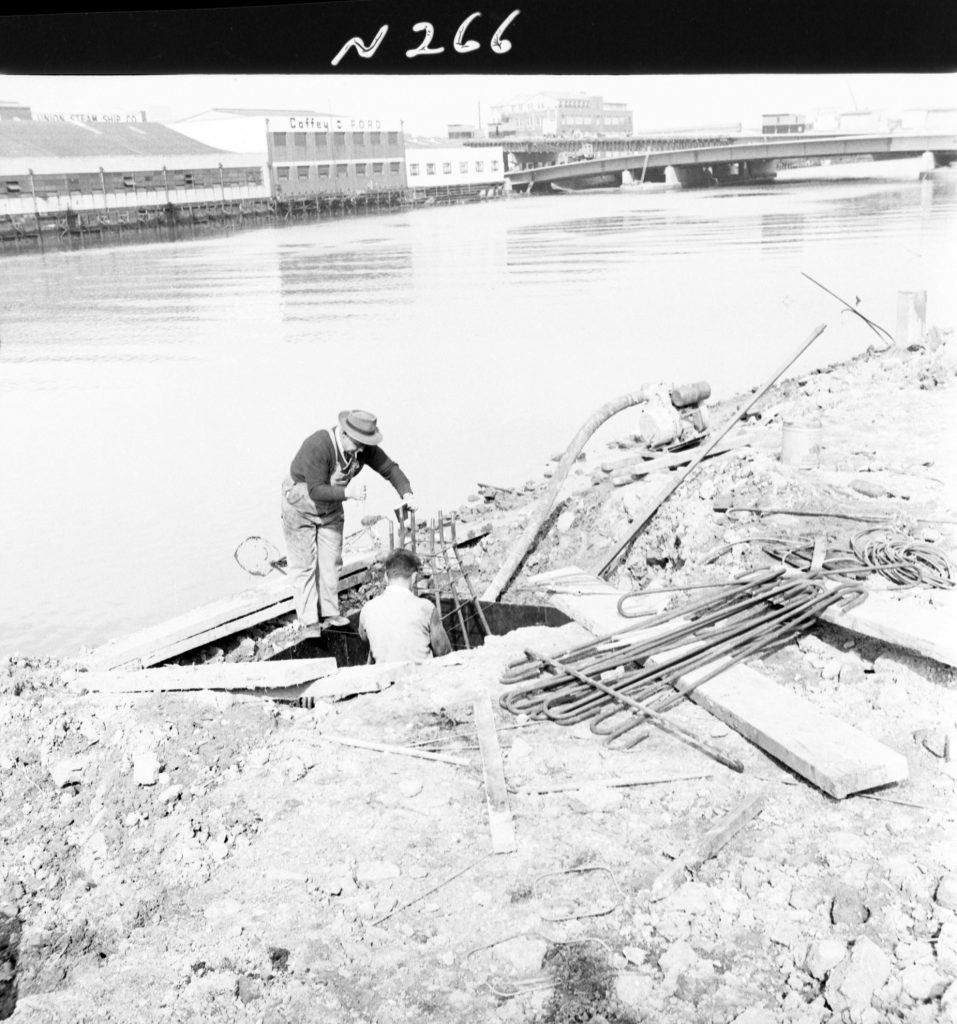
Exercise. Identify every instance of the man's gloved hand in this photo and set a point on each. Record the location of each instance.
(410, 502)
(355, 490)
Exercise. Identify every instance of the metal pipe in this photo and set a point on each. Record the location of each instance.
(703, 453)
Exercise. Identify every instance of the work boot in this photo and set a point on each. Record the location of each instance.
(336, 621)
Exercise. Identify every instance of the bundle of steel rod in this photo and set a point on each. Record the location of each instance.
(627, 679)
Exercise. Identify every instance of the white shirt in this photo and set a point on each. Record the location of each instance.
(397, 625)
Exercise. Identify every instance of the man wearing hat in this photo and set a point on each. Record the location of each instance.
(321, 478)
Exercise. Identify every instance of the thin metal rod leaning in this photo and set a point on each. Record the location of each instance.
(703, 453)
(452, 589)
(659, 720)
(468, 583)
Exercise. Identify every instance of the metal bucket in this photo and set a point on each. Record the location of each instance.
(801, 443)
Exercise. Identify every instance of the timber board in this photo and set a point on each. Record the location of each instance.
(834, 756)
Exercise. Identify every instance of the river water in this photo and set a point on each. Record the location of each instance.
(152, 395)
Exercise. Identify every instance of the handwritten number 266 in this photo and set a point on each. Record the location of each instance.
(460, 44)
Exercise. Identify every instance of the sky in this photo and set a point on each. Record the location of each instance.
(427, 104)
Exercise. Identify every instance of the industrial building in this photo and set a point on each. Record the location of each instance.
(440, 168)
(49, 168)
(553, 113)
(311, 154)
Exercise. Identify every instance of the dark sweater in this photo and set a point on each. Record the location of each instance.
(315, 463)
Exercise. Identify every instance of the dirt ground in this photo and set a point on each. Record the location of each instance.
(270, 873)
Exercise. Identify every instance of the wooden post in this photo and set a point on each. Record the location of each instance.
(433, 565)
(452, 590)
(911, 317)
(36, 209)
(496, 794)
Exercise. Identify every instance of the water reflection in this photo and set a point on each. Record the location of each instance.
(158, 391)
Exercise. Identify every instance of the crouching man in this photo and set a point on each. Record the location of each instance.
(399, 625)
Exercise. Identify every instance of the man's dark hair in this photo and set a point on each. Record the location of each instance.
(402, 563)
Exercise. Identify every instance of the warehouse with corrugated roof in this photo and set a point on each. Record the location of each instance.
(48, 168)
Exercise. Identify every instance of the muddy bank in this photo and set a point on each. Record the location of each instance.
(208, 856)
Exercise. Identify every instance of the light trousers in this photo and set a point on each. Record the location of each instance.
(313, 553)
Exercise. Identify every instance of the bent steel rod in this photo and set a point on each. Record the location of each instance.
(659, 720)
(703, 453)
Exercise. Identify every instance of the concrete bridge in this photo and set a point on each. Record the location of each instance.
(739, 161)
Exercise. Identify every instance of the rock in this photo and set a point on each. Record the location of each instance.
(67, 772)
(707, 490)
(947, 947)
(946, 894)
(565, 521)
(595, 799)
(146, 768)
(634, 955)
(678, 958)
(171, 794)
(337, 881)
(259, 756)
(823, 956)
(851, 985)
(756, 1015)
(519, 749)
(831, 670)
(370, 872)
(410, 787)
(246, 989)
(692, 898)
(948, 1005)
(849, 910)
(922, 982)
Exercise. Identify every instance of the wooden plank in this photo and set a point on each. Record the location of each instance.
(258, 675)
(896, 618)
(209, 622)
(826, 751)
(592, 602)
(496, 795)
(345, 682)
(391, 748)
(635, 466)
(707, 846)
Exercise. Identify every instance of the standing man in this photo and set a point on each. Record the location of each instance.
(398, 625)
(321, 478)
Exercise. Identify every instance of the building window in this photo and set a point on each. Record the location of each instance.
(128, 181)
(323, 170)
(464, 167)
(74, 183)
(446, 168)
(282, 173)
(13, 186)
(320, 139)
(375, 138)
(342, 170)
(413, 169)
(360, 168)
(302, 172)
(394, 167)
(299, 140)
(494, 165)
(377, 167)
(430, 168)
(358, 139)
(338, 138)
(279, 140)
(393, 138)
(479, 166)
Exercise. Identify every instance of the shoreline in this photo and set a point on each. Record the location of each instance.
(218, 855)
